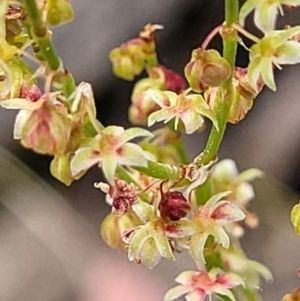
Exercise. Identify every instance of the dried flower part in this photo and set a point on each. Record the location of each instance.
(173, 205)
(206, 69)
(147, 34)
(113, 228)
(199, 285)
(128, 60)
(59, 12)
(187, 108)
(265, 12)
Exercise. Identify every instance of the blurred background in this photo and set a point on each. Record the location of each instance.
(50, 249)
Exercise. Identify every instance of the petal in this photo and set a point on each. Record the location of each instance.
(113, 130)
(143, 210)
(229, 280)
(134, 133)
(267, 73)
(182, 228)
(254, 70)
(149, 254)
(186, 277)
(261, 269)
(224, 291)
(226, 212)
(214, 199)
(83, 159)
(192, 121)
(131, 154)
(288, 53)
(109, 166)
(197, 246)
(249, 175)
(21, 103)
(176, 292)
(265, 16)
(221, 236)
(163, 244)
(163, 97)
(20, 122)
(246, 9)
(163, 114)
(225, 171)
(196, 295)
(137, 241)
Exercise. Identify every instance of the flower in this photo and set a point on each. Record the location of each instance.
(198, 285)
(275, 48)
(110, 148)
(206, 68)
(265, 12)
(150, 242)
(42, 125)
(59, 12)
(188, 108)
(210, 219)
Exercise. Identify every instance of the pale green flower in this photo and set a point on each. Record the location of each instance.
(187, 108)
(110, 148)
(265, 12)
(275, 48)
(210, 219)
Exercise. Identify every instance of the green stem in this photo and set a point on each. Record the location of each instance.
(229, 53)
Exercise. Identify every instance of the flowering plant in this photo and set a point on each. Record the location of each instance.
(162, 203)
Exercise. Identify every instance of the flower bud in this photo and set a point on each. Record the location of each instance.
(59, 12)
(206, 69)
(128, 60)
(173, 206)
(113, 227)
(172, 80)
(46, 131)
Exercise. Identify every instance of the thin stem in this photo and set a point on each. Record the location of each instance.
(244, 32)
(222, 110)
(212, 34)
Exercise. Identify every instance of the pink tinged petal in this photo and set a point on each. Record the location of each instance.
(197, 246)
(109, 166)
(224, 292)
(164, 114)
(254, 70)
(288, 53)
(133, 133)
(267, 72)
(83, 159)
(163, 245)
(265, 16)
(192, 121)
(221, 236)
(246, 9)
(131, 154)
(196, 295)
(149, 254)
(20, 122)
(21, 104)
(226, 212)
(143, 210)
(176, 292)
(215, 199)
(186, 277)
(229, 280)
(179, 229)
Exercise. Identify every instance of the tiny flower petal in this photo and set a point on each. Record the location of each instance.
(225, 292)
(109, 166)
(216, 198)
(83, 159)
(288, 53)
(20, 122)
(225, 212)
(163, 245)
(143, 210)
(197, 246)
(196, 295)
(149, 254)
(221, 236)
(267, 72)
(186, 277)
(176, 292)
(265, 16)
(133, 133)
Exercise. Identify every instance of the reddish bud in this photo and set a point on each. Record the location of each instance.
(173, 206)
